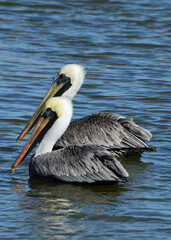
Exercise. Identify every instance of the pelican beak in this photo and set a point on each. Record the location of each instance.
(59, 86)
(44, 123)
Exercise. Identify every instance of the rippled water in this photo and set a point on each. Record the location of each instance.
(125, 46)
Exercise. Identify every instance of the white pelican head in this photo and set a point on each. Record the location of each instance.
(76, 73)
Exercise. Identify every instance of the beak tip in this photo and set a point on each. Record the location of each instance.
(18, 140)
(12, 169)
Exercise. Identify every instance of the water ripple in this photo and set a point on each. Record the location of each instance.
(125, 47)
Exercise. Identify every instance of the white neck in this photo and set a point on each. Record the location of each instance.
(56, 131)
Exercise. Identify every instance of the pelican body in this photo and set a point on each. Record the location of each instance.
(87, 163)
(101, 128)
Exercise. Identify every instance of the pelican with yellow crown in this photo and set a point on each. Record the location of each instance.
(88, 163)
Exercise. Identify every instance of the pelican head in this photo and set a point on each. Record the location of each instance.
(54, 120)
(76, 73)
(67, 83)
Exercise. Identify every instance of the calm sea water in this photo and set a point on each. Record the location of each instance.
(125, 46)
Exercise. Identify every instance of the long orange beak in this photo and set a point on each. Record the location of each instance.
(33, 140)
(60, 85)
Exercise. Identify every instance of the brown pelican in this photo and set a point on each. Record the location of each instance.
(88, 163)
(100, 128)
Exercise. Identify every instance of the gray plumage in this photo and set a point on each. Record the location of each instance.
(88, 163)
(107, 129)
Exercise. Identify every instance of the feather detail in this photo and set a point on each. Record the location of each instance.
(106, 129)
(88, 163)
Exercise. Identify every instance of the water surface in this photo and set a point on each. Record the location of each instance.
(125, 47)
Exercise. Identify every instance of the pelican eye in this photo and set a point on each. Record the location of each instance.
(61, 78)
(48, 113)
(61, 75)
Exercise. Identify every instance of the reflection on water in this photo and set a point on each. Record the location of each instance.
(64, 208)
(125, 47)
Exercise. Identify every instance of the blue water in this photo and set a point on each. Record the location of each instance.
(125, 47)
